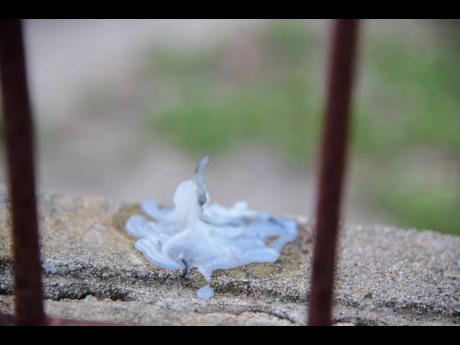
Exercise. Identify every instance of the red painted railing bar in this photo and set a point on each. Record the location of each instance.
(332, 168)
(20, 163)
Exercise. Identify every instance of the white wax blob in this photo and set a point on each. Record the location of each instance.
(207, 236)
(205, 292)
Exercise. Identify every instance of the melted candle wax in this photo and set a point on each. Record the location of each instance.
(207, 236)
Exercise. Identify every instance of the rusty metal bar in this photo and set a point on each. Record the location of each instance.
(332, 168)
(20, 157)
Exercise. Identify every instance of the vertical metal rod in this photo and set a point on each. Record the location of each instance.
(20, 158)
(332, 167)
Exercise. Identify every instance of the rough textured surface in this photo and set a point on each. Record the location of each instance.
(91, 271)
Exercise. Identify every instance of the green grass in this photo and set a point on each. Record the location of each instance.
(214, 122)
(408, 102)
(416, 102)
(279, 109)
(420, 203)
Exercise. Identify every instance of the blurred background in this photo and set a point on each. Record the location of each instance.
(124, 108)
